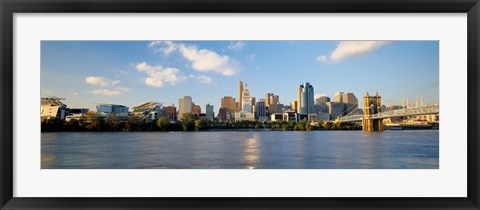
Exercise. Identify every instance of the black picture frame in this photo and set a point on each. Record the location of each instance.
(10, 7)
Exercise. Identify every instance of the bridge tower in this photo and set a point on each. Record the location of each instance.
(371, 105)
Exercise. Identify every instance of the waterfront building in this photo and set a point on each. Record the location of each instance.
(184, 105)
(76, 113)
(196, 109)
(209, 115)
(239, 116)
(228, 102)
(107, 109)
(335, 109)
(149, 110)
(170, 112)
(276, 116)
(290, 116)
(305, 96)
(52, 107)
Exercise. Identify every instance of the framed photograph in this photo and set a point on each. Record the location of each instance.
(239, 105)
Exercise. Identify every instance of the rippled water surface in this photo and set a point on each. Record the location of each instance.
(412, 149)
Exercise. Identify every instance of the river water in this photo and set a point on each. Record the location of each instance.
(404, 149)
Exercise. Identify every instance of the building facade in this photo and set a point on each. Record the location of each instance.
(53, 108)
(107, 109)
(184, 105)
(170, 112)
(260, 109)
(307, 105)
(209, 115)
(229, 103)
(240, 95)
(196, 109)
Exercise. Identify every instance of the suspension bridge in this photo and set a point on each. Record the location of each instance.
(374, 112)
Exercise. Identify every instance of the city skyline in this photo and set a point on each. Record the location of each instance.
(130, 73)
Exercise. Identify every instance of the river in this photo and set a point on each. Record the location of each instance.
(405, 149)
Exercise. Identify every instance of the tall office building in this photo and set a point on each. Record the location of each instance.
(184, 105)
(247, 109)
(321, 104)
(338, 97)
(349, 98)
(306, 94)
(260, 109)
(335, 109)
(196, 109)
(351, 103)
(209, 115)
(246, 100)
(240, 94)
(299, 98)
(294, 105)
(229, 103)
(270, 98)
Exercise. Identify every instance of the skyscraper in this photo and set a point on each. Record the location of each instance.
(246, 100)
(260, 109)
(247, 109)
(306, 103)
(184, 105)
(228, 102)
(240, 94)
(338, 97)
(209, 112)
(351, 103)
(321, 104)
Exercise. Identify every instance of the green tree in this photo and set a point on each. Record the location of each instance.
(309, 127)
(201, 124)
(131, 124)
(299, 126)
(258, 125)
(163, 123)
(112, 122)
(72, 125)
(187, 122)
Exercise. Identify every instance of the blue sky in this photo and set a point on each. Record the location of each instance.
(130, 73)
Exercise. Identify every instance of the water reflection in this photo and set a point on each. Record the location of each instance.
(251, 152)
(246, 150)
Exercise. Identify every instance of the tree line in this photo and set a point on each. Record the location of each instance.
(188, 122)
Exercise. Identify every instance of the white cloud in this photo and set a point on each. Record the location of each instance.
(73, 93)
(163, 47)
(158, 75)
(205, 60)
(236, 46)
(347, 49)
(106, 92)
(251, 58)
(202, 78)
(101, 81)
